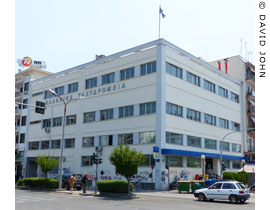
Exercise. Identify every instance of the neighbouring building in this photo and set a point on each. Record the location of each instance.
(152, 95)
(22, 80)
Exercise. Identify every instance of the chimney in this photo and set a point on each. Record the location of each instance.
(226, 65)
(219, 66)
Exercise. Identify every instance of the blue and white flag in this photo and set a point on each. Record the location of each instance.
(161, 12)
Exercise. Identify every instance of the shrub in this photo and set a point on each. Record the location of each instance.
(239, 176)
(114, 186)
(20, 182)
(36, 182)
(229, 176)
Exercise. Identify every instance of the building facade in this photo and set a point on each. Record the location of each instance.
(152, 95)
(243, 71)
(22, 80)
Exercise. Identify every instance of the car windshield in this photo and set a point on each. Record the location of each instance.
(240, 186)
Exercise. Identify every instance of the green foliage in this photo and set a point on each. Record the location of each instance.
(240, 176)
(114, 186)
(36, 182)
(47, 163)
(126, 161)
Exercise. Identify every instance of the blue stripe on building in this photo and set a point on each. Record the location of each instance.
(198, 154)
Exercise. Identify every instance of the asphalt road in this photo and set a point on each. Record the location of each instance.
(37, 200)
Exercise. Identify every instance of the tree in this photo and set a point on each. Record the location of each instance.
(126, 162)
(47, 163)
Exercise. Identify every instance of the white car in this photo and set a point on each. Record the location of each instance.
(233, 191)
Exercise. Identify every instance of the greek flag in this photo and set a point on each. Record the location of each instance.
(161, 12)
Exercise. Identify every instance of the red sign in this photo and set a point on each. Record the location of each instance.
(26, 61)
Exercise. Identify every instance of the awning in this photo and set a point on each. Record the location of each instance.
(252, 102)
(248, 169)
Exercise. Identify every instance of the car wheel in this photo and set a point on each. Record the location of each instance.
(243, 201)
(201, 197)
(78, 188)
(211, 199)
(233, 199)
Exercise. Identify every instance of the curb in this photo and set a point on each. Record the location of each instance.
(118, 195)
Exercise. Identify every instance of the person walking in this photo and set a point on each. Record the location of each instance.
(84, 181)
(72, 181)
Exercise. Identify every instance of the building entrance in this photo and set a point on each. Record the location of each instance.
(209, 166)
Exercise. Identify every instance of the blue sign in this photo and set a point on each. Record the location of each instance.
(155, 149)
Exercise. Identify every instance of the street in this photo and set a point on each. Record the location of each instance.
(42, 200)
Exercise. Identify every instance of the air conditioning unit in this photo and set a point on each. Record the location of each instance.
(47, 130)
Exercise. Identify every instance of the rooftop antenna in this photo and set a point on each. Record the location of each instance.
(246, 50)
(241, 48)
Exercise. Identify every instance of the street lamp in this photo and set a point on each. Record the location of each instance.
(203, 165)
(220, 146)
(63, 132)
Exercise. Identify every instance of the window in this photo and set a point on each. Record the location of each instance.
(148, 108)
(193, 115)
(89, 117)
(194, 141)
(22, 138)
(73, 87)
(125, 138)
(174, 70)
(88, 141)
(209, 86)
(55, 144)
(37, 94)
(235, 126)
(127, 73)
(108, 78)
(225, 146)
(193, 162)
(70, 143)
(192, 78)
(174, 109)
(47, 94)
(57, 121)
(223, 123)
(59, 90)
(17, 139)
(25, 101)
(126, 111)
(216, 186)
(45, 144)
(236, 164)
(236, 147)
(71, 120)
(33, 145)
(35, 122)
(175, 161)
(86, 161)
(46, 123)
(106, 140)
(148, 68)
(174, 138)
(223, 92)
(106, 114)
(23, 121)
(227, 163)
(234, 97)
(210, 119)
(210, 144)
(148, 137)
(90, 83)
(148, 161)
(26, 86)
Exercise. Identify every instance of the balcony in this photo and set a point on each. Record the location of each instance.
(250, 94)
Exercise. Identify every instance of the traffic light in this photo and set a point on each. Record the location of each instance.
(95, 160)
(39, 108)
(167, 165)
(223, 166)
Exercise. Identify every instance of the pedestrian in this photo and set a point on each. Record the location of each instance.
(84, 181)
(72, 181)
(181, 178)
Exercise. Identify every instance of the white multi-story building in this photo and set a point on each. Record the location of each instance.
(155, 94)
(22, 79)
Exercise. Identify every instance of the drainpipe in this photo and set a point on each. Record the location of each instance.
(219, 66)
(226, 65)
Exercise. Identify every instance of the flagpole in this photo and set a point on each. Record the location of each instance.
(159, 23)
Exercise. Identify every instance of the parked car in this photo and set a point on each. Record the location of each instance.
(233, 191)
(77, 184)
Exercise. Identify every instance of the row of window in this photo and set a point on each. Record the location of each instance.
(191, 114)
(194, 141)
(196, 80)
(125, 74)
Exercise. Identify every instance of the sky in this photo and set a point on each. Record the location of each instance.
(68, 33)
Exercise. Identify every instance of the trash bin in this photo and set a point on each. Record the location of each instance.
(183, 186)
(196, 184)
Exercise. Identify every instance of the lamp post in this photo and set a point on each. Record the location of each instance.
(203, 166)
(220, 146)
(63, 133)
